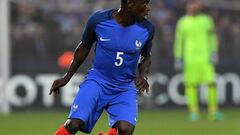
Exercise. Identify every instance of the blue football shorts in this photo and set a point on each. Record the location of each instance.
(94, 97)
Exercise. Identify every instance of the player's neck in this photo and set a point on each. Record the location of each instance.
(193, 13)
(123, 17)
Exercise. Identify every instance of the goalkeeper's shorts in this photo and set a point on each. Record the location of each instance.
(199, 73)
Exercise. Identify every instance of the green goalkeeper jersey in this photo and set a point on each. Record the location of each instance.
(195, 39)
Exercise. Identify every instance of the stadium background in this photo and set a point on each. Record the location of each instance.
(44, 33)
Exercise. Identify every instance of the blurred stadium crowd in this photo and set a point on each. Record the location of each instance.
(41, 30)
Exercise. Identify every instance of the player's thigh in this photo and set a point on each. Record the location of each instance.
(86, 103)
(123, 107)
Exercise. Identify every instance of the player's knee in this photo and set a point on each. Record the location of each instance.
(73, 125)
(125, 128)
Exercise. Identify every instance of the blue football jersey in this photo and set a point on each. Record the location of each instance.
(118, 48)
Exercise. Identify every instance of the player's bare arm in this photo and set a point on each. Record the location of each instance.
(143, 69)
(80, 55)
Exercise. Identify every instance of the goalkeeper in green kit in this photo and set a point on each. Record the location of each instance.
(195, 53)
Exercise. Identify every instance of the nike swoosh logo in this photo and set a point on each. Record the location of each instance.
(104, 39)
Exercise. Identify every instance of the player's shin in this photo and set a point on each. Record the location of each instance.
(212, 100)
(192, 102)
(213, 111)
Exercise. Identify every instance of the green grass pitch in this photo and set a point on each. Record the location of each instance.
(155, 122)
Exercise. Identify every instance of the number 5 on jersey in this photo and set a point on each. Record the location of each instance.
(119, 59)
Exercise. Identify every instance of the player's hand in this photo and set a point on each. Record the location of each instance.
(57, 84)
(178, 64)
(142, 85)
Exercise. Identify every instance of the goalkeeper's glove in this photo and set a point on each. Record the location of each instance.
(214, 58)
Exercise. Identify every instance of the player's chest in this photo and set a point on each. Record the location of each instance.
(196, 27)
(125, 39)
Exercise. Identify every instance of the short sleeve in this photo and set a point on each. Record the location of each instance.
(148, 45)
(89, 35)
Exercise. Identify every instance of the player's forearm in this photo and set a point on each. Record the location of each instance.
(178, 53)
(178, 47)
(178, 43)
(144, 66)
(80, 55)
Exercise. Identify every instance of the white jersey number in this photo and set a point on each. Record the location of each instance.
(119, 59)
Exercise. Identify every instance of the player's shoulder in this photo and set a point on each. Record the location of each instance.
(145, 23)
(184, 18)
(205, 16)
(101, 15)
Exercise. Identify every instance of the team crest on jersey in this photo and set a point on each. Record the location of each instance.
(138, 44)
(74, 107)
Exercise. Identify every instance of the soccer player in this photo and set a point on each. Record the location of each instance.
(122, 36)
(196, 52)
